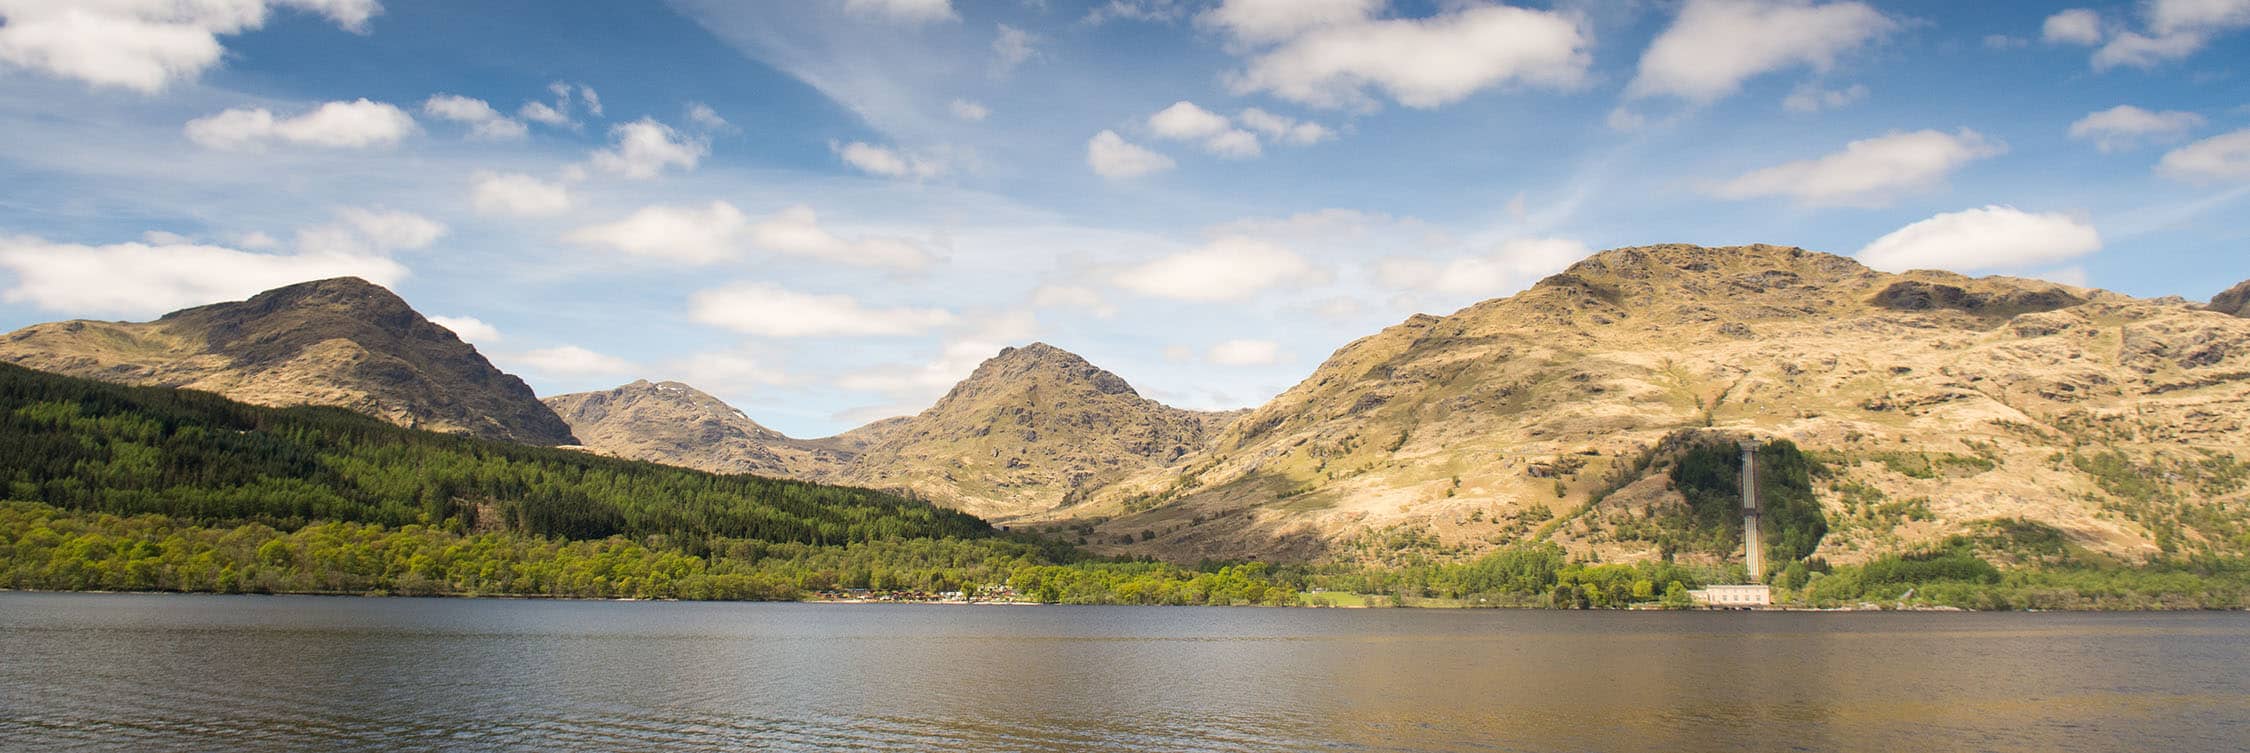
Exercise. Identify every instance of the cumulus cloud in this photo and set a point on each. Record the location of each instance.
(1184, 121)
(967, 110)
(1111, 156)
(888, 162)
(1245, 353)
(541, 112)
(729, 371)
(2126, 127)
(645, 148)
(518, 195)
(136, 279)
(1509, 267)
(2225, 157)
(911, 386)
(1810, 98)
(694, 235)
(797, 231)
(471, 329)
(2080, 26)
(1282, 129)
(1419, 62)
(2172, 30)
(1994, 237)
(338, 125)
(483, 121)
(768, 310)
(143, 45)
(1715, 45)
(571, 360)
(907, 11)
(1868, 172)
(1231, 268)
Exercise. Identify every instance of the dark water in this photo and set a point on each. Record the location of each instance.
(250, 673)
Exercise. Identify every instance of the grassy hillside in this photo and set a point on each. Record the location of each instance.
(83, 445)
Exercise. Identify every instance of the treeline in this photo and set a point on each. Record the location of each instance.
(93, 446)
(1523, 575)
(46, 548)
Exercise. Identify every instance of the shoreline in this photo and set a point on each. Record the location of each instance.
(959, 603)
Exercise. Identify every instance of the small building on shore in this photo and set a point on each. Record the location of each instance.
(1733, 596)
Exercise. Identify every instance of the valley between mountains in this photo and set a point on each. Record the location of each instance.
(1928, 404)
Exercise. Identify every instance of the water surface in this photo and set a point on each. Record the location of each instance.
(282, 673)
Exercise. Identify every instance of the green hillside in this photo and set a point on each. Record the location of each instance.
(91, 446)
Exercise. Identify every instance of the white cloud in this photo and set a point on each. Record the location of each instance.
(2005, 42)
(2174, 30)
(1011, 47)
(729, 371)
(1073, 296)
(1715, 45)
(888, 162)
(1111, 156)
(796, 230)
(572, 360)
(1268, 21)
(1869, 172)
(1231, 268)
(973, 342)
(143, 45)
(1178, 354)
(1282, 129)
(471, 329)
(771, 311)
(687, 234)
(483, 121)
(592, 101)
(341, 125)
(702, 116)
(1511, 266)
(645, 148)
(2142, 51)
(1246, 353)
(2126, 126)
(132, 279)
(255, 239)
(1810, 98)
(392, 229)
(518, 194)
(1422, 63)
(909, 11)
(2080, 26)
(541, 112)
(2225, 157)
(1994, 237)
(969, 111)
(1184, 121)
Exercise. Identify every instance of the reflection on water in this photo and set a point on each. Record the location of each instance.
(180, 673)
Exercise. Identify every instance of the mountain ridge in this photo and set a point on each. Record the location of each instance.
(342, 341)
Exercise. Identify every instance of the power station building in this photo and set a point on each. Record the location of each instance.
(1753, 594)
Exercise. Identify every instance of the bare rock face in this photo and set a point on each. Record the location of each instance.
(1546, 416)
(673, 423)
(343, 342)
(2235, 301)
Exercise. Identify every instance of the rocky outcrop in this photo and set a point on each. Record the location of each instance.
(675, 424)
(343, 342)
(2235, 301)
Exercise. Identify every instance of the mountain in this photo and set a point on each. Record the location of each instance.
(1032, 429)
(2235, 301)
(343, 342)
(673, 423)
(1933, 404)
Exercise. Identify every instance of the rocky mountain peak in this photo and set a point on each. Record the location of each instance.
(2235, 301)
(1039, 363)
(344, 341)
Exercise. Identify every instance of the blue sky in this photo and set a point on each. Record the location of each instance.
(828, 212)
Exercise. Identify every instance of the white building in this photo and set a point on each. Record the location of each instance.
(1733, 596)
